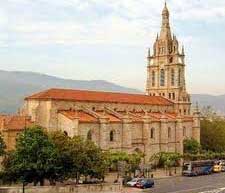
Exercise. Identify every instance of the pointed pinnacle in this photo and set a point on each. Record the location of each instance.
(183, 49)
(149, 52)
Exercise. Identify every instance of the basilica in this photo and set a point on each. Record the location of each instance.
(156, 121)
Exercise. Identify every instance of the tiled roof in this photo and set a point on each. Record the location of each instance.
(14, 122)
(157, 116)
(134, 116)
(83, 117)
(109, 116)
(86, 117)
(96, 96)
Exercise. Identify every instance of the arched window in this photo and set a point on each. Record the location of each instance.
(172, 77)
(179, 77)
(153, 78)
(184, 131)
(174, 97)
(137, 150)
(152, 134)
(169, 132)
(65, 133)
(89, 135)
(111, 136)
(162, 77)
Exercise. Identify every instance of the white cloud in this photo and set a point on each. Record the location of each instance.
(100, 21)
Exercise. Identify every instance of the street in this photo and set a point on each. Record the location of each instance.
(214, 183)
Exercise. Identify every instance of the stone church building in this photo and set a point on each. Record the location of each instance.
(156, 121)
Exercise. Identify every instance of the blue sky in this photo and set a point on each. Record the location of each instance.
(108, 39)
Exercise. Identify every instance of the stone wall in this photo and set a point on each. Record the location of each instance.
(97, 188)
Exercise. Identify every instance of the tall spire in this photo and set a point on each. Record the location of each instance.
(149, 53)
(182, 51)
(165, 28)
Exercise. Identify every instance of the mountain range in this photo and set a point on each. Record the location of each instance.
(15, 85)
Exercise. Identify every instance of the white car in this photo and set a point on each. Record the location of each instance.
(133, 182)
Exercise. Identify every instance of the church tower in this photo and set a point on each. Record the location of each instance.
(166, 68)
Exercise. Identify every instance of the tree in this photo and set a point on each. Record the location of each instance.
(95, 161)
(87, 159)
(2, 146)
(124, 162)
(191, 146)
(213, 135)
(134, 161)
(54, 156)
(166, 160)
(35, 157)
(63, 144)
(116, 157)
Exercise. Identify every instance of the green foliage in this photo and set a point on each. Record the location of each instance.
(8, 175)
(65, 161)
(134, 161)
(56, 157)
(166, 159)
(94, 160)
(130, 162)
(116, 157)
(213, 135)
(191, 146)
(2, 146)
(79, 157)
(204, 156)
(34, 159)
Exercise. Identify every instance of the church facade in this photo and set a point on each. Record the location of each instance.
(153, 122)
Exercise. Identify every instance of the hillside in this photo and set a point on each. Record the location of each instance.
(217, 102)
(14, 86)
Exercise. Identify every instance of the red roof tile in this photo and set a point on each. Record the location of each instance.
(96, 96)
(14, 122)
(83, 117)
(112, 118)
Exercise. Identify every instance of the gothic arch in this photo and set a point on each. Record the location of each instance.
(65, 133)
(179, 77)
(172, 77)
(89, 135)
(137, 150)
(153, 78)
(152, 133)
(169, 133)
(162, 77)
(184, 132)
(112, 136)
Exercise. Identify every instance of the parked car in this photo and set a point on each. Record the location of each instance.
(145, 183)
(217, 167)
(223, 165)
(134, 181)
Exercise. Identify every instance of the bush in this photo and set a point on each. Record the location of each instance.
(191, 146)
(213, 135)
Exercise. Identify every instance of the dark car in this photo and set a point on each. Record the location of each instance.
(145, 183)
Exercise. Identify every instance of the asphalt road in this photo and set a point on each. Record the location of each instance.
(214, 183)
